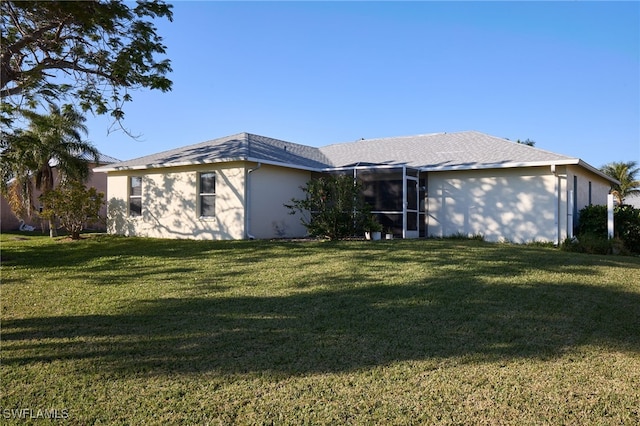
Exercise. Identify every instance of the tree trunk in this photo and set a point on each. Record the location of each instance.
(52, 228)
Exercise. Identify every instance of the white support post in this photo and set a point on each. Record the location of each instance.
(404, 201)
(570, 214)
(610, 216)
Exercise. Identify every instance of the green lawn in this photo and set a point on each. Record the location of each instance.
(111, 330)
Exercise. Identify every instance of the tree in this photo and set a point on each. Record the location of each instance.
(333, 207)
(626, 174)
(92, 51)
(527, 142)
(73, 204)
(16, 167)
(51, 141)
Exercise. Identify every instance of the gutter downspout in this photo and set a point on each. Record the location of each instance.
(247, 222)
(556, 212)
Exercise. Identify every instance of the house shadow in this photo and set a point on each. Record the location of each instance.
(338, 330)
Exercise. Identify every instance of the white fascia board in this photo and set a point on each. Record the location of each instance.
(106, 169)
(498, 165)
(371, 166)
(286, 165)
(598, 172)
(116, 168)
(568, 162)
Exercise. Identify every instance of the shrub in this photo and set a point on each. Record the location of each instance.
(333, 207)
(73, 204)
(592, 231)
(593, 220)
(594, 244)
(627, 226)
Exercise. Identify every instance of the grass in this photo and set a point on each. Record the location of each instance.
(111, 330)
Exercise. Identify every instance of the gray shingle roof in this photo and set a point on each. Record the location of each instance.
(239, 147)
(440, 151)
(436, 151)
(102, 159)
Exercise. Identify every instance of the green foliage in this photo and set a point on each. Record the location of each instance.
(592, 231)
(593, 220)
(372, 224)
(73, 205)
(527, 142)
(627, 226)
(594, 244)
(29, 157)
(93, 52)
(462, 236)
(333, 207)
(627, 174)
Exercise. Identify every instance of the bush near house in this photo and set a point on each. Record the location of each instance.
(337, 207)
(592, 231)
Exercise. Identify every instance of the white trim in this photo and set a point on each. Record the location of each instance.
(569, 162)
(106, 169)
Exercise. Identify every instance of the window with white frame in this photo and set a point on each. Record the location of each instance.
(207, 194)
(135, 196)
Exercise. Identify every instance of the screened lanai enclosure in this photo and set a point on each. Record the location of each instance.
(396, 195)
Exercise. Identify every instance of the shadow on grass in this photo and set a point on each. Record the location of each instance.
(335, 331)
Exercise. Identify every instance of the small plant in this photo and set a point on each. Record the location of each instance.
(536, 243)
(372, 225)
(462, 236)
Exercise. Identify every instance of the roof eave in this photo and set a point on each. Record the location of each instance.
(598, 172)
(567, 162)
(506, 165)
(287, 165)
(116, 168)
(107, 169)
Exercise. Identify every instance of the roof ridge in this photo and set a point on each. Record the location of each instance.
(281, 140)
(460, 132)
(530, 147)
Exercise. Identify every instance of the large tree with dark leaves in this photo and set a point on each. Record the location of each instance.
(94, 52)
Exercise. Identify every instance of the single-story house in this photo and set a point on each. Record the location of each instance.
(438, 184)
(10, 222)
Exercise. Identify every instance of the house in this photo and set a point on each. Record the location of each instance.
(634, 201)
(9, 221)
(438, 184)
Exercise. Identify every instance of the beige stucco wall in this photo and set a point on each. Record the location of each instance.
(270, 187)
(514, 205)
(599, 186)
(170, 203)
(566, 185)
(518, 205)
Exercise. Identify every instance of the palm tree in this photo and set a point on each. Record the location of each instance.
(52, 140)
(16, 182)
(626, 174)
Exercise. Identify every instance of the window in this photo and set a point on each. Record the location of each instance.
(207, 194)
(135, 196)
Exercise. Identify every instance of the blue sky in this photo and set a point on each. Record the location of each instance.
(564, 74)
